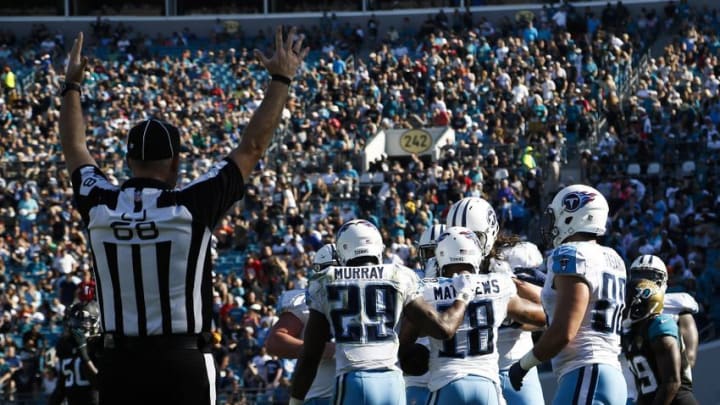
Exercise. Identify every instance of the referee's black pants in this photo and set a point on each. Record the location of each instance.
(160, 372)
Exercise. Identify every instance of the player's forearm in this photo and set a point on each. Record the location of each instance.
(261, 128)
(443, 325)
(553, 340)
(284, 345)
(72, 125)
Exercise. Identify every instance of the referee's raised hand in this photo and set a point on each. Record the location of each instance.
(76, 62)
(289, 54)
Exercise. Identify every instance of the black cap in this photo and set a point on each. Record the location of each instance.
(153, 140)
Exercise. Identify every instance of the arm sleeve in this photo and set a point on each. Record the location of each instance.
(210, 196)
(89, 187)
(662, 325)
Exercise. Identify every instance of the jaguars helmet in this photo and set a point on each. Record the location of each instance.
(358, 238)
(84, 316)
(650, 267)
(458, 245)
(428, 242)
(577, 208)
(324, 258)
(479, 216)
(647, 299)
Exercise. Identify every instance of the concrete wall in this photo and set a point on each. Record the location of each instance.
(251, 23)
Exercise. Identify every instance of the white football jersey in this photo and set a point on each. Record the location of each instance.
(676, 304)
(472, 351)
(363, 305)
(512, 343)
(293, 301)
(598, 339)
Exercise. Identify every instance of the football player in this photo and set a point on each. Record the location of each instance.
(515, 339)
(584, 296)
(360, 303)
(654, 350)
(681, 306)
(464, 369)
(416, 386)
(285, 339)
(77, 351)
(478, 215)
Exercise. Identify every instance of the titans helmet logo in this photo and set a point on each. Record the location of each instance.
(576, 200)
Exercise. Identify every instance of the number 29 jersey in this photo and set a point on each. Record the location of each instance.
(363, 305)
(472, 351)
(602, 269)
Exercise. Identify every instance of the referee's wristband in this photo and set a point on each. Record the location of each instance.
(295, 401)
(282, 79)
(529, 361)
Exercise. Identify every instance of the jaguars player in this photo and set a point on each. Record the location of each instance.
(514, 339)
(77, 351)
(464, 369)
(285, 339)
(360, 303)
(681, 306)
(584, 297)
(416, 386)
(654, 350)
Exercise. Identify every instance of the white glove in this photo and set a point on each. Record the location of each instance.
(464, 286)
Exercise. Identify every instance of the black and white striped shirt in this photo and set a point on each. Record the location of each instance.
(151, 247)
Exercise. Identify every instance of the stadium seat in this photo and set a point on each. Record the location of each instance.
(633, 169)
(654, 169)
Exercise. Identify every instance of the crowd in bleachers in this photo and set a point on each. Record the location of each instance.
(520, 94)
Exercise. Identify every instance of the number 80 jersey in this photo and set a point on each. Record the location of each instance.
(472, 351)
(363, 305)
(602, 269)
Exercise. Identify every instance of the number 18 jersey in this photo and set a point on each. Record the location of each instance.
(363, 305)
(602, 269)
(472, 351)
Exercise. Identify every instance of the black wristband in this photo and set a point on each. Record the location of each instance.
(282, 79)
(68, 86)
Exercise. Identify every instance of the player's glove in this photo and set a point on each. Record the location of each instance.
(464, 287)
(516, 374)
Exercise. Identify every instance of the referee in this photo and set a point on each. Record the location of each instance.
(151, 241)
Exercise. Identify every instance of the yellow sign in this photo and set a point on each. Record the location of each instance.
(415, 141)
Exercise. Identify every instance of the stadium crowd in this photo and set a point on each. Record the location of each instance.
(520, 95)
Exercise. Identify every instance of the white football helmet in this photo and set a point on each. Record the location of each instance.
(358, 238)
(477, 215)
(523, 255)
(649, 267)
(577, 208)
(458, 245)
(324, 257)
(431, 268)
(428, 241)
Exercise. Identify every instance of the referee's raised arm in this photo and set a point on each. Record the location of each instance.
(72, 124)
(282, 66)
